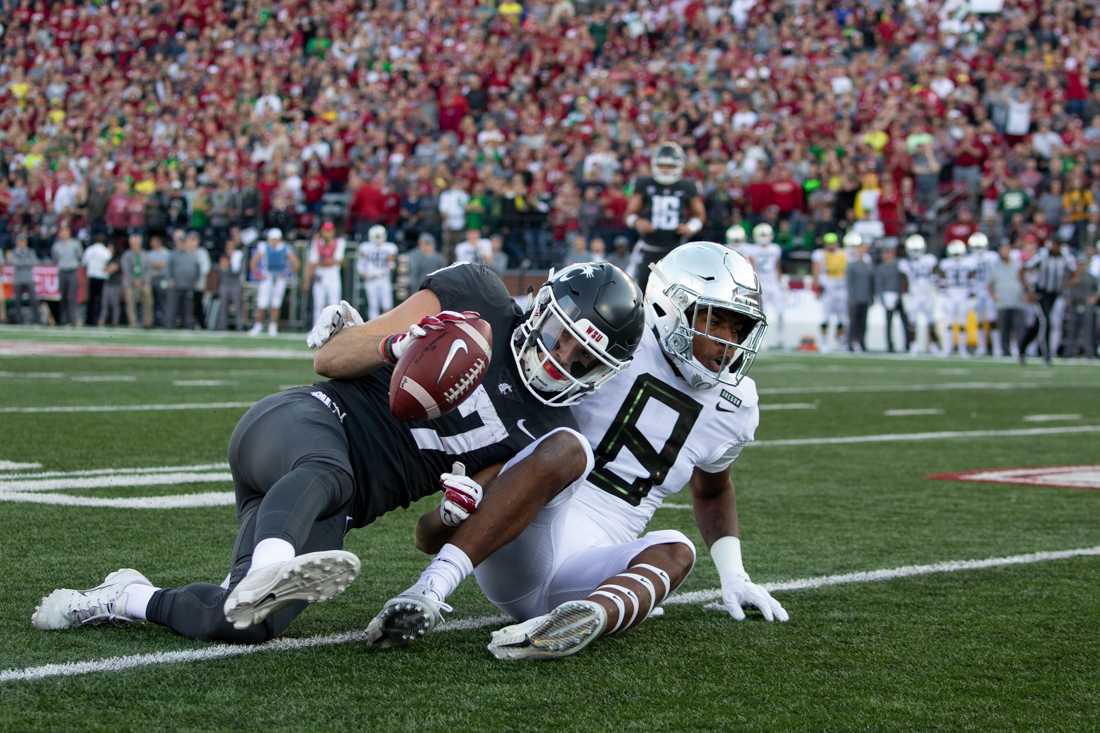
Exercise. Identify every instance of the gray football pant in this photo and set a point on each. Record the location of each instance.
(293, 481)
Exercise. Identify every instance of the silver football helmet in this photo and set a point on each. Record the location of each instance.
(696, 279)
(377, 234)
(763, 233)
(735, 236)
(956, 248)
(978, 242)
(915, 245)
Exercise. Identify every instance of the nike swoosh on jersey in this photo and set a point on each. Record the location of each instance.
(458, 344)
(719, 408)
(525, 431)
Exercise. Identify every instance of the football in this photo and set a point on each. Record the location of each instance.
(440, 370)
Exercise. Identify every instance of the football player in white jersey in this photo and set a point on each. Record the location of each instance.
(765, 256)
(375, 266)
(958, 274)
(986, 309)
(679, 414)
(919, 269)
(829, 267)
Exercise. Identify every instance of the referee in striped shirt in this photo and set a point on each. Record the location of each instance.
(1045, 276)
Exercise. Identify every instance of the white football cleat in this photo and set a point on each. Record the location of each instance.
(257, 329)
(313, 577)
(566, 630)
(406, 617)
(65, 608)
(273, 329)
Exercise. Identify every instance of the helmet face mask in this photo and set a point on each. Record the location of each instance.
(688, 290)
(668, 163)
(562, 350)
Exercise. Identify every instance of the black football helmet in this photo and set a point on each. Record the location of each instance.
(583, 327)
(668, 163)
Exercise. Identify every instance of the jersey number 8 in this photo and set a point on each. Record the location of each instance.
(624, 432)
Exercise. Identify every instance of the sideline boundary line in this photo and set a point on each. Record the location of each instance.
(223, 651)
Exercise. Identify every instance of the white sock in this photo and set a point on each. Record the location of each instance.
(271, 552)
(138, 596)
(444, 573)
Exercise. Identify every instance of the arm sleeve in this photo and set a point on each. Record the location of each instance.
(467, 286)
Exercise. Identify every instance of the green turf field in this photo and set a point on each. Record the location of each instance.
(1000, 647)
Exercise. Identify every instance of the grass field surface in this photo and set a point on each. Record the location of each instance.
(840, 482)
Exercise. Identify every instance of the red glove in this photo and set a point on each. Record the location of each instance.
(394, 346)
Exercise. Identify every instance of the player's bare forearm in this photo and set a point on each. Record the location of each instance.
(517, 495)
(715, 503)
(431, 533)
(353, 352)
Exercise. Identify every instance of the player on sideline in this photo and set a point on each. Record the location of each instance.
(274, 264)
(312, 462)
(919, 268)
(958, 274)
(375, 266)
(829, 265)
(680, 413)
(765, 256)
(664, 210)
(984, 262)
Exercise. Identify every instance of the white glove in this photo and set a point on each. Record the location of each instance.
(392, 347)
(737, 590)
(461, 496)
(333, 319)
(740, 592)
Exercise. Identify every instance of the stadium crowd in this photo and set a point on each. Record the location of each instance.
(518, 128)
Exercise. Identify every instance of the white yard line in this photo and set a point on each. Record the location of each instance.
(222, 651)
(127, 408)
(933, 387)
(13, 466)
(1050, 418)
(917, 437)
(788, 406)
(32, 375)
(914, 412)
(95, 378)
(201, 382)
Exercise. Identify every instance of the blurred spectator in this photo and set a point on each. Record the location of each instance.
(620, 253)
(67, 253)
(180, 276)
(452, 208)
(1082, 296)
(23, 260)
(159, 258)
(203, 287)
(472, 248)
(423, 260)
(95, 261)
(578, 251)
(888, 289)
(112, 290)
(597, 250)
(496, 259)
(137, 274)
(1008, 294)
(861, 289)
(231, 272)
